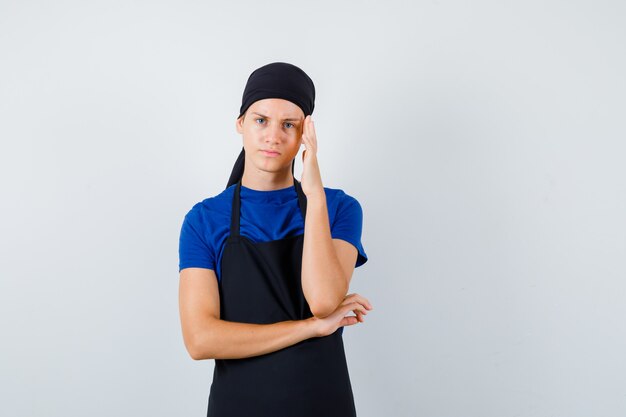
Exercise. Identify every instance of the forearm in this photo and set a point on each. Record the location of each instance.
(323, 283)
(221, 339)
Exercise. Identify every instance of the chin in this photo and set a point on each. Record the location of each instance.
(274, 166)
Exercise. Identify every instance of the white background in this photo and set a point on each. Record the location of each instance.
(484, 141)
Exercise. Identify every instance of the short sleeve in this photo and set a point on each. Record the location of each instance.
(193, 249)
(348, 225)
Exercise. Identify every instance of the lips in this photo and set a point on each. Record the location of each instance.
(270, 152)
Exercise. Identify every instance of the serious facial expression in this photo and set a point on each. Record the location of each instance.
(271, 124)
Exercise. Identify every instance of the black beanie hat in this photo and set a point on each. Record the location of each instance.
(275, 80)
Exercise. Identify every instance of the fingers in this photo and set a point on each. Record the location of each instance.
(358, 298)
(307, 145)
(359, 316)
(348, 321)
(352, 302)
(311, 134)
(361, 305)
(308, 135)
(358, 309)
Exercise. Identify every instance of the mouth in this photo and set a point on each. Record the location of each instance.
(270, 153)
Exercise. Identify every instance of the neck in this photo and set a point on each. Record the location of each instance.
(266, 181)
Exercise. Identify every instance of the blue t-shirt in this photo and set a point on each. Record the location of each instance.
(265, 216)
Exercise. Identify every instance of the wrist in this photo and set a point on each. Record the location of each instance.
(311, 326)
(318, 196)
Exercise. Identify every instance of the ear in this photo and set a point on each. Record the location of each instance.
(239, 125)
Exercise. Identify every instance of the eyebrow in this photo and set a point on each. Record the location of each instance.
(284, 120)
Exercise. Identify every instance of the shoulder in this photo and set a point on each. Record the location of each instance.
(337, 194)
(346, 220)
(339, 199)
(344, 209)
(211, 207)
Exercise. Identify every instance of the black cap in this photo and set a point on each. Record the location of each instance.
(279, 80)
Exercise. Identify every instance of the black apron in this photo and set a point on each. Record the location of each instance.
(261, 283)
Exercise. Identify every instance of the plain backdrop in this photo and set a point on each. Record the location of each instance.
(484, 141)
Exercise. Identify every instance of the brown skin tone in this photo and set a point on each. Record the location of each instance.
(206, 336)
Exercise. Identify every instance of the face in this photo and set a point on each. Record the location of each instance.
(271, 124)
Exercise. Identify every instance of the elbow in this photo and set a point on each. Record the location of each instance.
(325, 306)
(194, 351)
(200, 346)
(321, 310)
(199, 352)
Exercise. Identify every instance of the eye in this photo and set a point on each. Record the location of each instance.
(287, 123)
(260, 118)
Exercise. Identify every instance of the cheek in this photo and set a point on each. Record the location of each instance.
(292, 146)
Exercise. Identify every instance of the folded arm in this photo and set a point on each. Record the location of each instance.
(206, 336)
(327, 263)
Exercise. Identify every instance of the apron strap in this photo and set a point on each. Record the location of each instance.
(235, 210)
(301, 198)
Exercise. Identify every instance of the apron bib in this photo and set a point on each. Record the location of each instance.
(261, 283)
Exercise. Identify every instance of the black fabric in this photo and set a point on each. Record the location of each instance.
(275, 80)
(261, 283)
(279, 80)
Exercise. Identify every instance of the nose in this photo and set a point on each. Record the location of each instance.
(273, 134)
